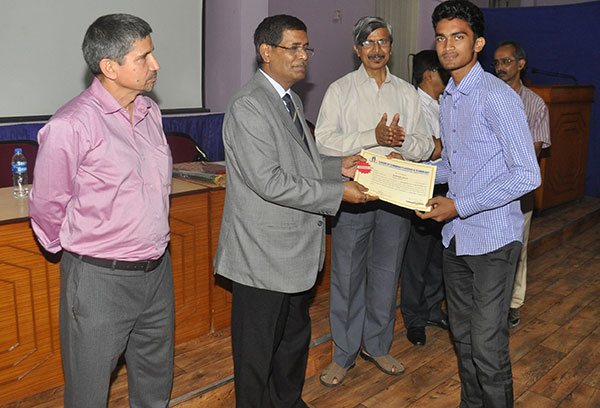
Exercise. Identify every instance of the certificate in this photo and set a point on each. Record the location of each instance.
(399, 182)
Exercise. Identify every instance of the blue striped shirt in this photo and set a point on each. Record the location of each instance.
(488, 161)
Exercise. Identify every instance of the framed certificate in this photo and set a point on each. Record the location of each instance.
(399, 182)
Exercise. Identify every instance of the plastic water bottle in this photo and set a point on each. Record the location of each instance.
(19, 172)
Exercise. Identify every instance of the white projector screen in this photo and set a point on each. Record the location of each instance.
(42, 66)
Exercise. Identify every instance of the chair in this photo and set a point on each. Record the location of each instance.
(184, 148)
(7, 149)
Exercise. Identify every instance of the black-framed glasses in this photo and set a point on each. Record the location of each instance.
(297, 49)
(383, 42)
(502, 61)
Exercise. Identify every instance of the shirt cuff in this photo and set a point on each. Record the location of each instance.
(53, 247)
(368, 139)
(466, 206)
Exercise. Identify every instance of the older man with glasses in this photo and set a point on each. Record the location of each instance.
(368, 109)
(272, 238)
(510, 63)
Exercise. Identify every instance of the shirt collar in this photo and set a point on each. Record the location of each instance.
(521, 91)
(426, 97)
(109, 103)
(363, 76)
(276, 85)
(468, 83)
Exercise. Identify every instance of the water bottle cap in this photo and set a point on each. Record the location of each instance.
(18, 150)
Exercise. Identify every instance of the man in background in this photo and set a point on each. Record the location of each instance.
(368, 109)
(272, 238)
(422, 284)
(510, 63)
(101, 194)
(489, 162)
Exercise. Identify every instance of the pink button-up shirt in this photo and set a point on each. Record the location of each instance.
(102, 181)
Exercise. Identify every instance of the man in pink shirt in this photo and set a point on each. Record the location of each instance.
(101, 194)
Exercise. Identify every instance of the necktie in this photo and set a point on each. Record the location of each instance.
(287, 99)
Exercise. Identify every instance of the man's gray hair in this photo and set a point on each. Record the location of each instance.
(366, 25)
(112, 36)
(520, 53)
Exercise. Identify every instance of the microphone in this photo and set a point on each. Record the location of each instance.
(553, 74)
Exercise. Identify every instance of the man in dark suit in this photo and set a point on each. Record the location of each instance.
(272, 239)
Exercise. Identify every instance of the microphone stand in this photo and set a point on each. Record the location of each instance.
(553, 74)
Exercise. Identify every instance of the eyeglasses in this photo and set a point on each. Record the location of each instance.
(383, 42)
(297, 49)
(502, 61)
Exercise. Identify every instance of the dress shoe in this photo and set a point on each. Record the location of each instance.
(442, 323)
(514, 317)
(416, 335)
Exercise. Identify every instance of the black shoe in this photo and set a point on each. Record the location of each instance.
(514, 317)
(442, 323)
(416, 335)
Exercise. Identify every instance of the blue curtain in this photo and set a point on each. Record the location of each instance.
(560, 39)
(205, 128)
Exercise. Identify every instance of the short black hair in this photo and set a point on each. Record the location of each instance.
(270, 31)
(463, 10)
(423, 61)
(112, 36)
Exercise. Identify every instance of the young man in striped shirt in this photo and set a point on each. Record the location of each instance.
(489, 162)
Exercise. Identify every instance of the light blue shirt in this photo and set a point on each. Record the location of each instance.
(488, 161)
(278, 88)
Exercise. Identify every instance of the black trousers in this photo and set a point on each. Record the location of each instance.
(422, 287)
(478, 292)
(422, 282)
(270, 334)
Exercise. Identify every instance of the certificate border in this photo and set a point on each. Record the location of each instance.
(366, 153)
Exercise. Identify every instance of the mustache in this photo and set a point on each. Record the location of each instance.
(501, 72)
(373, 56)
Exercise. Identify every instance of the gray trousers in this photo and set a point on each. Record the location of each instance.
(105, 312)
(367, 245)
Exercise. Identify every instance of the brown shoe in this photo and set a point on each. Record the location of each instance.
(333, 375)
(387, 363)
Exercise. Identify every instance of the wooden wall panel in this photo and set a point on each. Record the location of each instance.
(29, 290)
(30, 359)
(189, 250)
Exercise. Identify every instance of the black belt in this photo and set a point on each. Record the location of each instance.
(145, 266)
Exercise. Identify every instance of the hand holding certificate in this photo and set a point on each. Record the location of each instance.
(399, 182)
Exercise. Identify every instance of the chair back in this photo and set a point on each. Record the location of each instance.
(7, 149)
(184, 148)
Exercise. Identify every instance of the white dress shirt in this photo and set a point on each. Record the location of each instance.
(353, 106)
(431, 113)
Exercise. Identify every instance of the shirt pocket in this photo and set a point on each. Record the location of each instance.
(163, 161)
